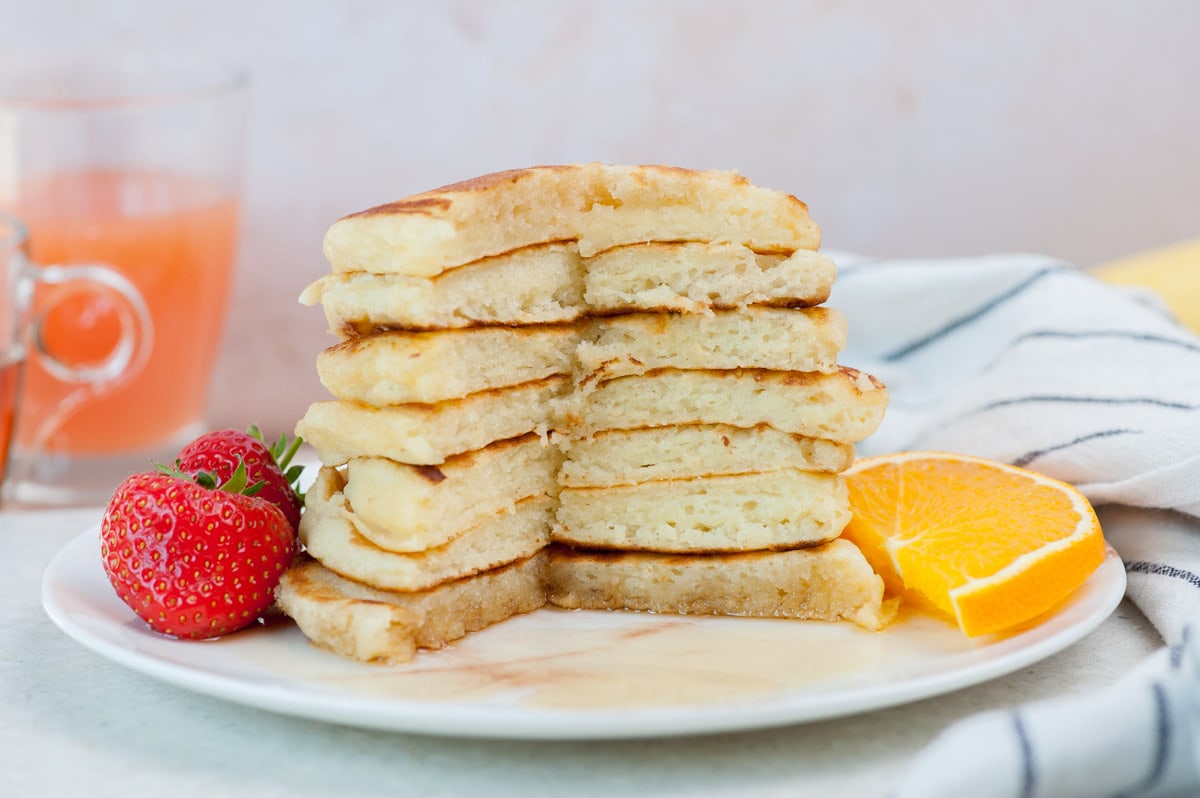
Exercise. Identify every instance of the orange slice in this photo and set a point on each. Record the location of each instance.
(987, 544)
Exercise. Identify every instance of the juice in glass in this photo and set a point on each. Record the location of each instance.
(8, 403)
(173, 237)
(130, 161)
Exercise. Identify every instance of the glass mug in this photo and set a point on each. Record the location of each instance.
(135, 163)
(22, 329)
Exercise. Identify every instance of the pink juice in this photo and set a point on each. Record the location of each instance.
(174, 239)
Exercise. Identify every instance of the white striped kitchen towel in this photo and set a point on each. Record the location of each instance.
(1027, 360)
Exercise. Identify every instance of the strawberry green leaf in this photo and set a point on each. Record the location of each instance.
(237, 482)
(282, 451)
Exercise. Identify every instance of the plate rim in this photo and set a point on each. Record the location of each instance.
(468, 720)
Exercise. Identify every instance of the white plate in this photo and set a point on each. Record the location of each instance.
(555, 674)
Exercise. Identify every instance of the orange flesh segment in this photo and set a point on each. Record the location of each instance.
(988, 545)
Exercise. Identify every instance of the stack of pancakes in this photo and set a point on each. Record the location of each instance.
(597, 386)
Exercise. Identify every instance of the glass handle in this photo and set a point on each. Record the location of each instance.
(137, 329)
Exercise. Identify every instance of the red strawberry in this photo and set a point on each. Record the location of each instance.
(193, 560)
(218, 453)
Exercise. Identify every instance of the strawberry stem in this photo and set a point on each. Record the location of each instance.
(209, 479)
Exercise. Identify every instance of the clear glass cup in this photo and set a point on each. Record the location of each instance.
(22, 330)
(134, 162)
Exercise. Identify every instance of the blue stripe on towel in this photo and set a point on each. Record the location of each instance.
(1028, 771)
(972, 315)
(1029, 457)
(1177, 650)
(1062, 399)
(1125, 335)
(1162, 569)
(1163, 732)
(1095, 400)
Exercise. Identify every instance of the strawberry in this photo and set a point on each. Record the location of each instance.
(219, 452)
(192, 559)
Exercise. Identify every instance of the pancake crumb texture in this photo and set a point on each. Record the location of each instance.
(593, 386)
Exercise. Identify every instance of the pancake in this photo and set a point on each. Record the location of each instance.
(403, 507)
(741, 512)
(331, 533)
(533, 285)
(598, 205)
(829, 582)
(753, 337)
(697, 276)
(400, 367)
(427, 434)
(547, 284)
(425, 367)
(627, 457)
(846, 405)
(364, 623)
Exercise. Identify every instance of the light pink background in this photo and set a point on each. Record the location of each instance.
(914, 128)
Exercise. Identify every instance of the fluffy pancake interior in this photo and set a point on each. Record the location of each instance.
(553, 283)
(753, 337)
(403, 507)
(402, 367)
(829, 582)
(766, 510)
(844, 405)
(697, 276)
(533, 285)
(428, 434)
(627, 457)
(331, 533)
